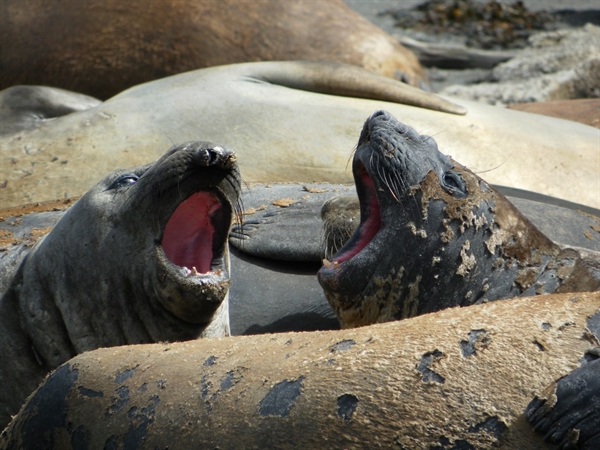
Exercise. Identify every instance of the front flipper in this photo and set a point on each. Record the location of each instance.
(283, 221)
(568, 412)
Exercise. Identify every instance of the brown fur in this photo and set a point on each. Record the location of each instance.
(210, 391)
(101, 47)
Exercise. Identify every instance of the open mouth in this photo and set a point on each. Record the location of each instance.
(370, 220)
(196, 234)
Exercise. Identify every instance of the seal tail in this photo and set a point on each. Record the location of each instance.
(341, 79)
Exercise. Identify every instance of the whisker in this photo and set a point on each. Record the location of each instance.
(351, 157)
(387, 181)
(499, 165)
(438, 133)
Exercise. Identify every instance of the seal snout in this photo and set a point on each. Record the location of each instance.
(372, 122)
(203, 182)
(380, 115)
(382, 122)
(207, 154)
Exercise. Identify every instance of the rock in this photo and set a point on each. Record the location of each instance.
(561, 64)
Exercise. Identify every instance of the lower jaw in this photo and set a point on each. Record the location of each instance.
(197, 304)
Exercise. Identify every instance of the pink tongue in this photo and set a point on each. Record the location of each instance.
(187, 240)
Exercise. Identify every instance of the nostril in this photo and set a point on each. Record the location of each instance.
(208, 156)
(203, 157)
(215, 155)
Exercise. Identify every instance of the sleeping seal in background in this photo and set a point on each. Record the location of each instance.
(289, 121)
(142, 257)
(102, 47)
(433, 235)
(250, 107)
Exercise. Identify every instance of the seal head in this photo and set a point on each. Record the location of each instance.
(141, 257)
(432, 235)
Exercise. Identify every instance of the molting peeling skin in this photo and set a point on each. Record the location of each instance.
(142, 257)
(459, 377)
(433, 235)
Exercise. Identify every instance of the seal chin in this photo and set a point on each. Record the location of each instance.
(190, 296)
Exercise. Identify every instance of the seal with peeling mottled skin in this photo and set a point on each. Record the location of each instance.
(141, 257)
(433, 235)
(470, 371)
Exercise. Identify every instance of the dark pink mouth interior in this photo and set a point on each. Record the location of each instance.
(371, 225)
(188, 237)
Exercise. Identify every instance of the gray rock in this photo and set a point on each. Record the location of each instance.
(561, 64)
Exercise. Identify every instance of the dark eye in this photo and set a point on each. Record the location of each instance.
(123, 181)
(453, 183)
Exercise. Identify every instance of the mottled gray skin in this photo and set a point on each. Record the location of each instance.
(100, 278)
(434, 235)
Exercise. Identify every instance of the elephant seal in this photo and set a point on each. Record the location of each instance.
(458, 378)
(433, 235)
(264, 110)
(567, 411)
(102, 47)
(142, 257)
(277, 249)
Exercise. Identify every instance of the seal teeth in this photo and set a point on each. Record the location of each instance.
(191, 273)
(330, 265)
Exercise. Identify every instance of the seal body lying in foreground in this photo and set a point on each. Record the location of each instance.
(433, 235)
(141, 257)
(458, 378)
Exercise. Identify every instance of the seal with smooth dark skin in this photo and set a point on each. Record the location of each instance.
(433, 235)
(142, 257)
